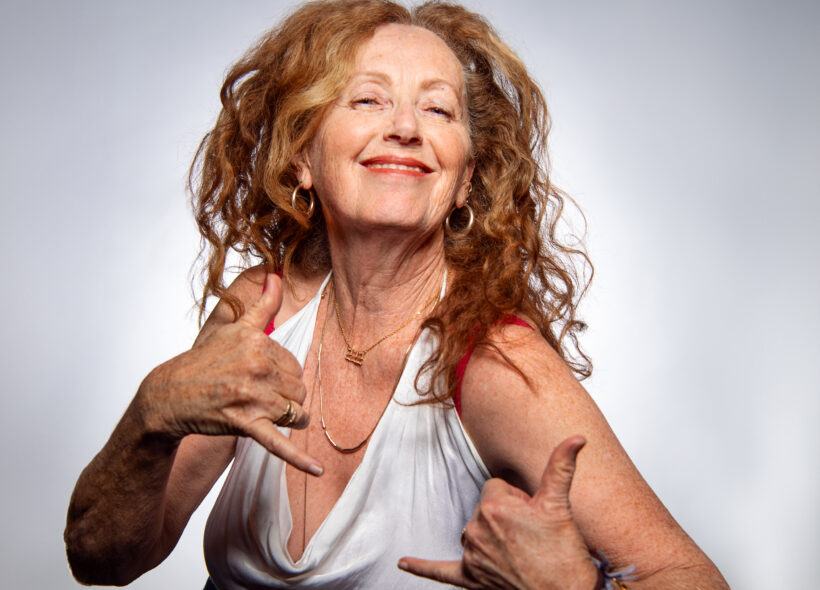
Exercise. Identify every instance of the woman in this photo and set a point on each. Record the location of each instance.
(387, 165)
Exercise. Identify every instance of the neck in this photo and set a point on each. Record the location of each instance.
(380, 283)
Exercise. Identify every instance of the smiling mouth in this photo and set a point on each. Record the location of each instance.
(394, 167)
(403, 166)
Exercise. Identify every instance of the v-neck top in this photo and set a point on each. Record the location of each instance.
(415, 489)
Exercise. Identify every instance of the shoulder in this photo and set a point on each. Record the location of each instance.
(517, 410)
(519, 400)
(514, 347)
(297, 290)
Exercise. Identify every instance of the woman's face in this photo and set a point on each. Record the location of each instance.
(394, 150)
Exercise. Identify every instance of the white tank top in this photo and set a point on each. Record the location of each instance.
(414, 491)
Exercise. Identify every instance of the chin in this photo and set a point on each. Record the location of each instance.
(397, 222)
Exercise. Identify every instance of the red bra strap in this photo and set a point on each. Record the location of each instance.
(461, 367)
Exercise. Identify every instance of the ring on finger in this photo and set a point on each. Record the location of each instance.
(288, 417)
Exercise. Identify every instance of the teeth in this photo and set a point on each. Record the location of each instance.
(396, 167)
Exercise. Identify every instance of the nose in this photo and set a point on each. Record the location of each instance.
(403, 127)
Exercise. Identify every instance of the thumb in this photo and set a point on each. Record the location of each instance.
(267, 306)
(557, 477)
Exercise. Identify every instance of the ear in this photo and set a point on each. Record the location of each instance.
(464, 190)
(301, 162)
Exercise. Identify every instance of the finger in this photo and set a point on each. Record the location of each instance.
(495, 488)
(557, 477)
(446, 572)
(267, 306)
(283, 359)
(301, 418)
(266, 434)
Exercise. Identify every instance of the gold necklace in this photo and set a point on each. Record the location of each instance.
(353, 449)
(357, 356)
(307, 439)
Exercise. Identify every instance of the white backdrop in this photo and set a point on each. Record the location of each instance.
(688, 132)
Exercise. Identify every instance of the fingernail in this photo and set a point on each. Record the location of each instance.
(402, 564)
(316, 470)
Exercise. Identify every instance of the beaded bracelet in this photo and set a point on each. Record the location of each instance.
(612, 580)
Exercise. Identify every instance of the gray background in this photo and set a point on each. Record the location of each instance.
(688, 132)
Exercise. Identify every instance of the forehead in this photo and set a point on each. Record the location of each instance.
(406, 47)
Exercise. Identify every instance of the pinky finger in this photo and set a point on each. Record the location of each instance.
(267, 435)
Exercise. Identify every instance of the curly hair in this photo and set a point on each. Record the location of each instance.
(273, 100)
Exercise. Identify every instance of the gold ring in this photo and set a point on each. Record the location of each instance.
(288, 417)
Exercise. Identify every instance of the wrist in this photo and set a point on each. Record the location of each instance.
(584, 576)
(599, 580)
(145, 416)
(608, 577)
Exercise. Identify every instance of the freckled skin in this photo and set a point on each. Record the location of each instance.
(404, 103)
(520, 535)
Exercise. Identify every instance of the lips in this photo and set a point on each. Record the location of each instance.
(395, 164)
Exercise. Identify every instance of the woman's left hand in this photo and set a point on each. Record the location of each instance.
(519, 542)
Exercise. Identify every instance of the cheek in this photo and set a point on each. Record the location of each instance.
(338, 145)
(323, 162)
(457, 151)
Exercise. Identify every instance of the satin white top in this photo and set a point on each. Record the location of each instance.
(414, 491)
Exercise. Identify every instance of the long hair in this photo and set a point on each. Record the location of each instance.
(273, 100)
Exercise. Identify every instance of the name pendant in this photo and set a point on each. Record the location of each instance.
(355, 356)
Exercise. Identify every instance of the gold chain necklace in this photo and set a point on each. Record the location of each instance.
(357, 356)
(392, 393)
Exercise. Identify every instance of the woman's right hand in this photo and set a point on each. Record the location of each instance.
(133, 500)
(235, 380)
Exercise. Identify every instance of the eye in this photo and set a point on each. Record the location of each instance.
(366, 101)
(436, 110)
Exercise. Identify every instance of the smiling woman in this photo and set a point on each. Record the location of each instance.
(373, 369)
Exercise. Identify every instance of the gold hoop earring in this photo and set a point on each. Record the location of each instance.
(466, 229)
(294, 205)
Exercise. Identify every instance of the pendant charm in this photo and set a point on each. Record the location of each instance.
(355, 356)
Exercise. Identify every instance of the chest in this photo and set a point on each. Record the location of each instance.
(345, 409)
(409, 491)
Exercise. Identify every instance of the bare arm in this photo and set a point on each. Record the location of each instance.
(132, 502)
(516, 426)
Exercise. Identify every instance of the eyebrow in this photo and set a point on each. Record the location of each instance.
(440, 81)
(380, 76)
(384, 78)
